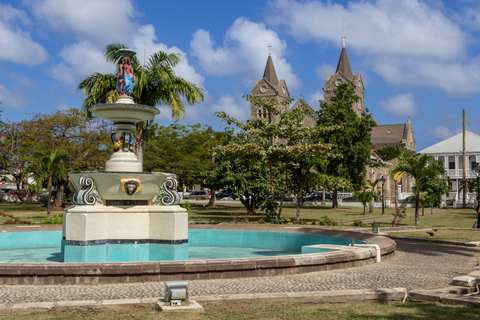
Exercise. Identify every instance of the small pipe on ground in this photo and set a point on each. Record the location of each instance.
(477, 292)
(376, 246)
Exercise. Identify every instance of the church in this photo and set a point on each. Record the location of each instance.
(383, 136)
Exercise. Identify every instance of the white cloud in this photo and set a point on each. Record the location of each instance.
(79, 61)
(313, 99)
(407, 27)
(239, 110)
(99, 22)
(241, 53)
(407, 42)
(324, 71)
(10, 14)
(442, 132)
(400, 105)
(11, 99)
(145, 39)
(17, 45)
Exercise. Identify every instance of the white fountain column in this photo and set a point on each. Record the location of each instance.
(124, 159)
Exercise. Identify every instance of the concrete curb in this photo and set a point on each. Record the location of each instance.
(444, 298)
(437, 241)
(337, 296)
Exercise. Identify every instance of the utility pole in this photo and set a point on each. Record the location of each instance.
(464, 166)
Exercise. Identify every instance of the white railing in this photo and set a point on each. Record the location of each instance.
(458, 173)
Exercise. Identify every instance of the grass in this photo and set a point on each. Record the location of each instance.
(259, 310)
(451, 224)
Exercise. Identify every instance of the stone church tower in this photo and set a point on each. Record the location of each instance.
(270, 88)
(344, 74)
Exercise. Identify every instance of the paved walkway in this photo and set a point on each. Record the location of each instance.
(415, 265)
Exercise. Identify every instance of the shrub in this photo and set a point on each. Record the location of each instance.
(14, 220)
(188, 206)
(53, 220)
(269, 207)
(359, 223)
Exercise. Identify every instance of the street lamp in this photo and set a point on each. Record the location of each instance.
(383, 198)
(476, 170)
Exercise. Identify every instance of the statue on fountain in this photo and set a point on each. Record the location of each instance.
(125, 77)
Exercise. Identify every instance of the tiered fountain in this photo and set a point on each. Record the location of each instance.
(122, 213)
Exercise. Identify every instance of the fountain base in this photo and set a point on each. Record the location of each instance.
(124, 233)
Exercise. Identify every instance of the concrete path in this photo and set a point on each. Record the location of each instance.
(415, 265)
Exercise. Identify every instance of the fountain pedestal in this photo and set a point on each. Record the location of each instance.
(123, 214)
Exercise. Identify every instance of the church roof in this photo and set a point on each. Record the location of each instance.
(270, 74)
(455, 144)
(302, 104)
(390, 133)
(344, 65)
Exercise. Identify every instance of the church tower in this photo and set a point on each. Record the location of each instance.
(270, 88)
(344, 74)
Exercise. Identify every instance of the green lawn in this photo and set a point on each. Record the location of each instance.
(259, 310)
(458, 221)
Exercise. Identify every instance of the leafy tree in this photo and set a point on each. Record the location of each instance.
(286, 144)
(86, 141)
(387, 158)
(188, 150)
(14, 156)
(421, 167)
(352, 140)
(49, 168)
(434, 188)
(370, 186)
(155, 83)
(365, 197)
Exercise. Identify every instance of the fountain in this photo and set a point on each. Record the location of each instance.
(126, 226)
(122, 213)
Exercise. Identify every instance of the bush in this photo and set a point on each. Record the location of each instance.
(359, 223)
(53, 220)
(188, 206)
(326, 221)
(269, 207)
(14, 220)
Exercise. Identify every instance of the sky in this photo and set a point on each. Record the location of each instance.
(418, 59)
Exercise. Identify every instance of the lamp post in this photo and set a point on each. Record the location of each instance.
(383, 198)
(476, 170)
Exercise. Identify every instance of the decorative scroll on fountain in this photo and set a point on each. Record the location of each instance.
(122, 213)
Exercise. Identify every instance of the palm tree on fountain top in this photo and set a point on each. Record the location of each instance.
(155, 83)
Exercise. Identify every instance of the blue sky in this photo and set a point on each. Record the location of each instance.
(418, 59)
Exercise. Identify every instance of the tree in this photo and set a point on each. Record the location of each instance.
(49, 168)
(434, 188)
(155, 83)
(286, 144)
(387, 158)
(370, 186)
(352, 140)
(365, 197)
(14, 156)
(86, 141)
(188, 150)
(421, 168)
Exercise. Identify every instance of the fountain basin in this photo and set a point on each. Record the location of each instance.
(124, 112)
(339, 257)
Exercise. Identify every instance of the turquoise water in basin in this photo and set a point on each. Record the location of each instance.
(44, 246)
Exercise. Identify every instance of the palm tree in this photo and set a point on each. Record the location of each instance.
(370, 186)
(388, 157)
(420, 167)
(48, 167)
(155, 83)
